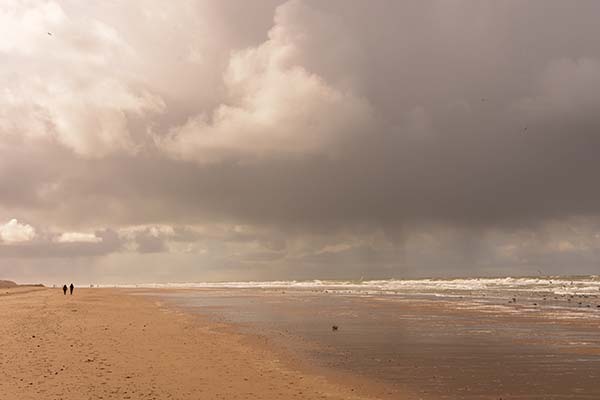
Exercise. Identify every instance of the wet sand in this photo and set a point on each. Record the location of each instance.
(432, 348)
(107, 344)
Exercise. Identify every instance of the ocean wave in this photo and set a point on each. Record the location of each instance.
(580, 285)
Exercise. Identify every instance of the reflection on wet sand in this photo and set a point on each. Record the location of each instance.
(483, 345)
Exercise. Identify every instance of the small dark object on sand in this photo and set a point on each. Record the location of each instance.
(334, 328)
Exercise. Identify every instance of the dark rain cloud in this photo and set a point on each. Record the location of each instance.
(298, 128)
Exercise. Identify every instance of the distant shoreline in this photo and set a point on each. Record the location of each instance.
(6, 284)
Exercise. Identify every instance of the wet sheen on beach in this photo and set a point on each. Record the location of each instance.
(465, 346)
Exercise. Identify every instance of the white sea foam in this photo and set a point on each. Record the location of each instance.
(586, 285)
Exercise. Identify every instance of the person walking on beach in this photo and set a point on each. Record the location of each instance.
(65, 290)
(71, 288)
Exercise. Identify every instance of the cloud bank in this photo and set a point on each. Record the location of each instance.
(282, 139)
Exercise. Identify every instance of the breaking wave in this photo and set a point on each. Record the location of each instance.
(560, 285)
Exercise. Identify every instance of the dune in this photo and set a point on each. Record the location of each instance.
(6, 284)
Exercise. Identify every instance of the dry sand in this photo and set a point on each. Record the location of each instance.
(106, 344)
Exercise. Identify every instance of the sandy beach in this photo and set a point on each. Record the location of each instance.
(132, 343)
(106, 344)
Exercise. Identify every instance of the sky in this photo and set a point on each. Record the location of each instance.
(209, 140)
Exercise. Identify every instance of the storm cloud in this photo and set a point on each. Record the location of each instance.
(210, 140)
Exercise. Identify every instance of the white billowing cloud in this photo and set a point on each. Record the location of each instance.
(78, 237)
(15, 232)
(90, 118)
(41, 28)
(277, 107)
(61, 85)
(21, 23)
